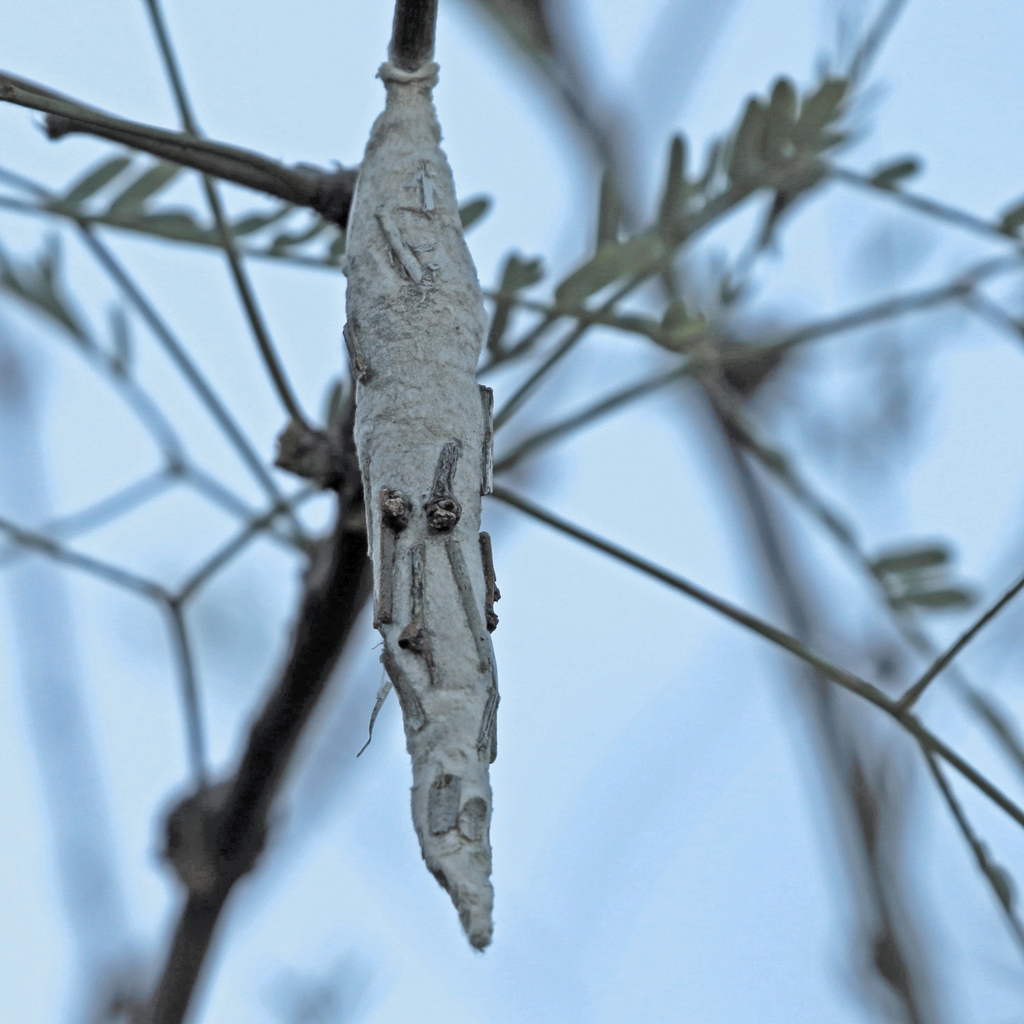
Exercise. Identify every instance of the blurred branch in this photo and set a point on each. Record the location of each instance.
(145, 407)
(252, 529)
(616, 400)
(843, 677)
(216, 835)
(995, 875)
(874, 813)
(874, 39)
(724, 355)
(214, 406)
(930, 207)
(56, 709)
(49, 547)
(97, 515)
(329, 193)
(243, 286)
(994, 314)
(741, 430)
(908, 700)
(193, 715)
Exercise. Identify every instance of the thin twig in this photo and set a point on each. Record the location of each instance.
(241, 278)
(338, 582)
(104, 511)
(908, 700)
(886, 931)
(871, 45)
(139, 227)
(718, 357)
(49, 547)
(845, 538)
(227, 551)
(581, 419)
(189, 694)
(978, 848)
(844, 678)
(217, 410)
(979, 303)
(929, 207)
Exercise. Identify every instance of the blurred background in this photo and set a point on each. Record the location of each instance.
(688, 824)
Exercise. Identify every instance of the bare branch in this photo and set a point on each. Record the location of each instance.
(243, 286)
(908, 700)
(216, 835)
(994, 875)
(842, 677)
(327, 192)
(412, 35)
(188, 369)
(45, 545)
(190, 694)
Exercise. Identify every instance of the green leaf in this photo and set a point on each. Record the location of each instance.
(335, 404)
(471, 212)
(818, 111)
(516, 274)
(39, 287)
(130, 202)
(609, 212)
(676, 316)
(121, 336)
(714, 160)
(285, 241)
(948, 597)
(1012, 219)
(745, 164)
(519, 273)
(257, 221)
(179, 225)
(910, 560)
(892, 174)
(635, 258)
(92, 181)
(337, 249)
(673, 200)
(781, 121)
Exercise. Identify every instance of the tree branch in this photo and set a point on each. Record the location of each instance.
(216, 835)
(910, 698)
(842, 677)
(327, 192)
(246, 294)
(412, 35)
